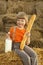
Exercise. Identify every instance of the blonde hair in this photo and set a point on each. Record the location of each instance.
(22, 15)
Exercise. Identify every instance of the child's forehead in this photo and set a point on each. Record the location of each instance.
(21, 18)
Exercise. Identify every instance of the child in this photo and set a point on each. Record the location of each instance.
(27, 55)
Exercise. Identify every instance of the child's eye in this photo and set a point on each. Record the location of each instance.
(22, 21)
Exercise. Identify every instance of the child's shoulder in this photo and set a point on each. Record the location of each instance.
(13, 27)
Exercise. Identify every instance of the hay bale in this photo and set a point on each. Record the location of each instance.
(22, 0)
(39, 0)
(39, 8)
(8, 21)
(36, 38)
(27, 7)
(40, 22)
(3, 7)
(1, 23)
(35, 35)
(10, 58)
(1, 26)
(15, 7)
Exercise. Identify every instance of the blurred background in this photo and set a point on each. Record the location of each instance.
(8, 13)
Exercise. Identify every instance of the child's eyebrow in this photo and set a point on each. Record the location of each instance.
(21, 19)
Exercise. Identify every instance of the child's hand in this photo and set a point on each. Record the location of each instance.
(8, 35)
(28, 34)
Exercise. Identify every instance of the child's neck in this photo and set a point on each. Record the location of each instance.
(20, 27)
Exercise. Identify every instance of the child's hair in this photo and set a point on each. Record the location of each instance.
(22, 15)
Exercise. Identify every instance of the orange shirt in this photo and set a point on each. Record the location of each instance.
(16, 34)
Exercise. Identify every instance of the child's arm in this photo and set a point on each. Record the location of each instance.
(9, 34)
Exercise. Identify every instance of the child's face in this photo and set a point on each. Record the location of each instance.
(21, 22)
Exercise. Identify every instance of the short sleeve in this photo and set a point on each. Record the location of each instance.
(11, 31)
